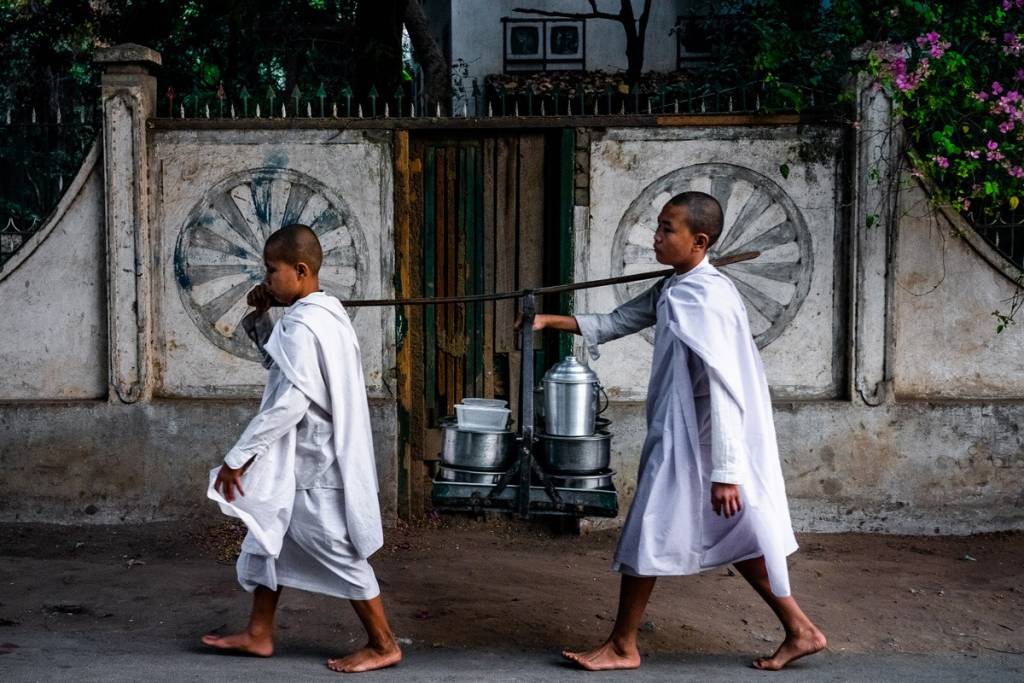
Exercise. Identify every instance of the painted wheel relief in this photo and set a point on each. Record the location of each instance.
(759, 216)
(219, 254)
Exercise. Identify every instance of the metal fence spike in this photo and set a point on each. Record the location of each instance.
(675, 106)
(730, 103)
(258, 111)
(33, 114)
(334, 109)
(542, 108)
(58, 116)
(360, 110)
(438, 110)
(595, 107)
(9, 116)
(309, 110)
(206, 110)
(465, 110)
(412, 110)
(182, 107)
(622, 109)
(757, 103)
(568, 106)
(516, 112)
(387, 111)
(649, 106)
(490, 110)
(60, 183)
(284, 111)
(81, 115)
(233, 117)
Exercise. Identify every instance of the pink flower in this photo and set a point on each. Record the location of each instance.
(981, 96)
(992, 145)
(932, 37)
(921, 41)
(966, 204)
(972, 153)
(996, 88)
(1016, 171)
(942, 162)
(1020, 75)
(1006, 126)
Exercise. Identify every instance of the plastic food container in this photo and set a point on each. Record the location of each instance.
(486, 402)
(482, 417)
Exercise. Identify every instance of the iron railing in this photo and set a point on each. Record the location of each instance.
(40, 153)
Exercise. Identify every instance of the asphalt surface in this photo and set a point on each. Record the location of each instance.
(41, 656)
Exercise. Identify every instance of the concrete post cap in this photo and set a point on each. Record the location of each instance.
(127, 53)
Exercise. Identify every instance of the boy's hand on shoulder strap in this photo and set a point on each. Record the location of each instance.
(725, 499)
(228, 481)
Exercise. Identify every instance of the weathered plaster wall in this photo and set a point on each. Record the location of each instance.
(53, 325)
(946, 344)
(633, 172)
(218, 195)
(93, 461)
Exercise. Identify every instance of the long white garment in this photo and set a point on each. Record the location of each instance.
(316, 553)
(314, 352)
(709, 419)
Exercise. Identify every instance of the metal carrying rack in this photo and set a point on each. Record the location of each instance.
(525, 489)
(515, 491)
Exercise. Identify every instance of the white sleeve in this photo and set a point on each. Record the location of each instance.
(729, 456)
(258, 327)
(632, 316)
(269, 425)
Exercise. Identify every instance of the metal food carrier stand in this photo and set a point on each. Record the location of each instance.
(525, 489)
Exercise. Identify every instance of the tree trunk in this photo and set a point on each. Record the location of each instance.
(379, 51)
(436, 70)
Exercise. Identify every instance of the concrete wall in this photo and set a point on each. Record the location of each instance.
(53, 324)
(948, 283)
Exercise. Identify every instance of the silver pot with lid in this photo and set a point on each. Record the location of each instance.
(571, 392)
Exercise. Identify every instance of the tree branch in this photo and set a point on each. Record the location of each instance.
(567, 15)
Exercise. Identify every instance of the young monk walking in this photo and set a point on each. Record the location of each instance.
(302, 476)
(710, 489)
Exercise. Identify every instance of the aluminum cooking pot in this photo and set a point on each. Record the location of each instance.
(575, 454)
(476, 450)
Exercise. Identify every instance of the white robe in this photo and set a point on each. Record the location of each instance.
(311, 491)
(709, 420)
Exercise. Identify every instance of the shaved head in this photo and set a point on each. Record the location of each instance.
(703, 214)
(295, 243)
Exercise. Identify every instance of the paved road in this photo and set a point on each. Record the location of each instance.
(43, 656)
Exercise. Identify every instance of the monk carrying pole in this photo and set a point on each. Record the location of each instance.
(573, 502)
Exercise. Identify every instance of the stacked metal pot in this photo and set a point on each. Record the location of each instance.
(574, 446)
(477, 447)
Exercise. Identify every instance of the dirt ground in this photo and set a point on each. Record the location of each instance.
(469, 584)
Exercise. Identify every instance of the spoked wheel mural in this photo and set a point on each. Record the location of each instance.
(219, 253)
(759, 216)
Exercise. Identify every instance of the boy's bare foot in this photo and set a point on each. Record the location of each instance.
(606, 658)
(795, 646)
(244, 642)
(367, 659)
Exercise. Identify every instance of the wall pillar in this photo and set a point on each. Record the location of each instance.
(128, 90)
(876, 185)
